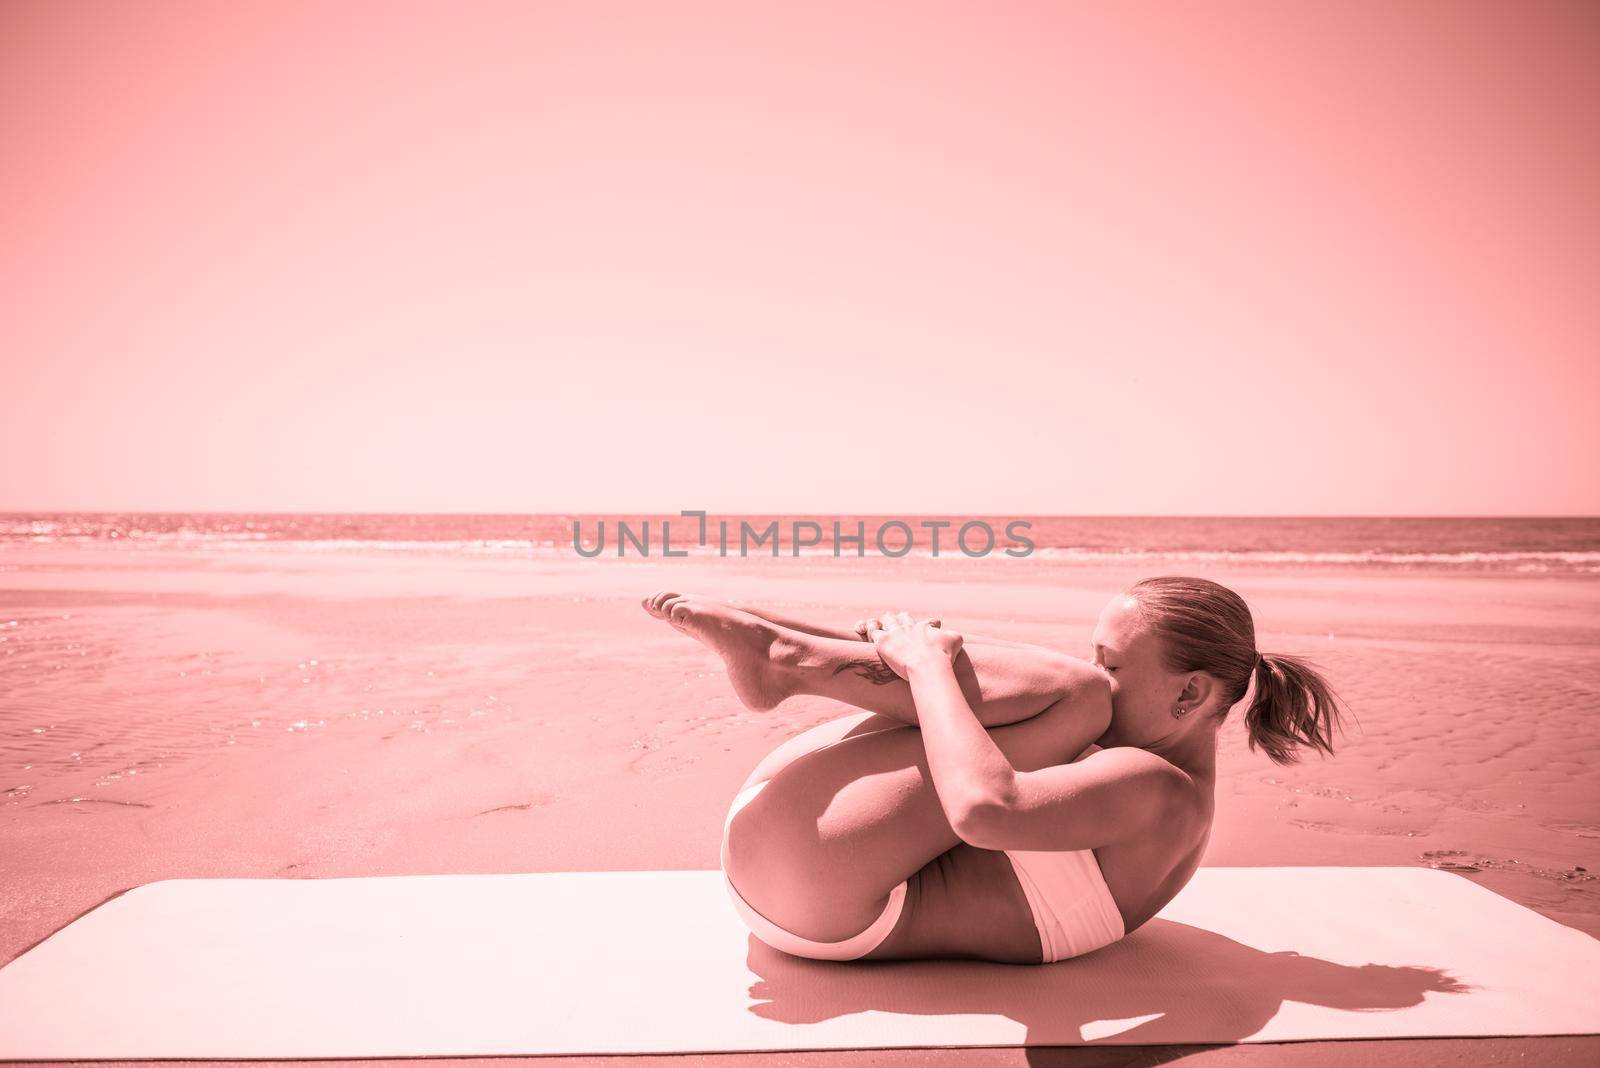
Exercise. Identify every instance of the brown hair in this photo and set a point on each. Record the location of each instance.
(1204, 626)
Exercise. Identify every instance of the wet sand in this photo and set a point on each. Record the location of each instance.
(296, 715)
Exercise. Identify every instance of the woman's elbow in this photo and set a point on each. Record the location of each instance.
(975, 824)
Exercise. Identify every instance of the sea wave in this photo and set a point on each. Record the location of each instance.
(47, 533)
(1444, 559)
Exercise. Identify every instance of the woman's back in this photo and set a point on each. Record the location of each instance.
(1144, 874)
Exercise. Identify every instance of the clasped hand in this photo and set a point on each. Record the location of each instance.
(908, 645)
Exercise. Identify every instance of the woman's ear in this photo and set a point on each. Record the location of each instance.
(1198, 690)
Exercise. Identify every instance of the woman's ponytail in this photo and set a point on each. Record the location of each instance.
(1293, 707)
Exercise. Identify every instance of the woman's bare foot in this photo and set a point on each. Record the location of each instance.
(761, 659)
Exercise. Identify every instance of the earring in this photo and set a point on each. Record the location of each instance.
(1180, 712)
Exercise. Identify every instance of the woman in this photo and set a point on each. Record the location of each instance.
(978, 834)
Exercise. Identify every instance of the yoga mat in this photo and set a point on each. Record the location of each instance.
(657, 962)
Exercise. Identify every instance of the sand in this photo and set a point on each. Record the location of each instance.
(307, 715)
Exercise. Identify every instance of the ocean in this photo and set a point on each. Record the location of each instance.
(1558, 545)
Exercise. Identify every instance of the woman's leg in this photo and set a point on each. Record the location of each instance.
(768, 663)
(818, 850)
(820, 630)
(825, 630)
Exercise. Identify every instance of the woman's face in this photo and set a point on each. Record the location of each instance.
(1143, 693)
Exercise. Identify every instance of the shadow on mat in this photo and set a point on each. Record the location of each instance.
(1167, 984)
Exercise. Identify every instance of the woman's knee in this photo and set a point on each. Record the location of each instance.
(1069, 674)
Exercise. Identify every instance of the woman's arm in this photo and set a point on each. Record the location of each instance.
(970, 773)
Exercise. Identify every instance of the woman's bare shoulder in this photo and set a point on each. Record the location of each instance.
(1130, 761)
(1192, 798)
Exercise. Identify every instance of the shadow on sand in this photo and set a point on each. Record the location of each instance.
(1193, 987)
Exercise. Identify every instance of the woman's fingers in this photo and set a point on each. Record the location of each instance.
(889, 621)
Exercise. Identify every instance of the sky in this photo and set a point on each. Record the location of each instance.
(1025, 258)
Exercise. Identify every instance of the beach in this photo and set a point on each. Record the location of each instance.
(174, 712)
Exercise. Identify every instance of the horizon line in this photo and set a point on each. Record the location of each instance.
(802, 514)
